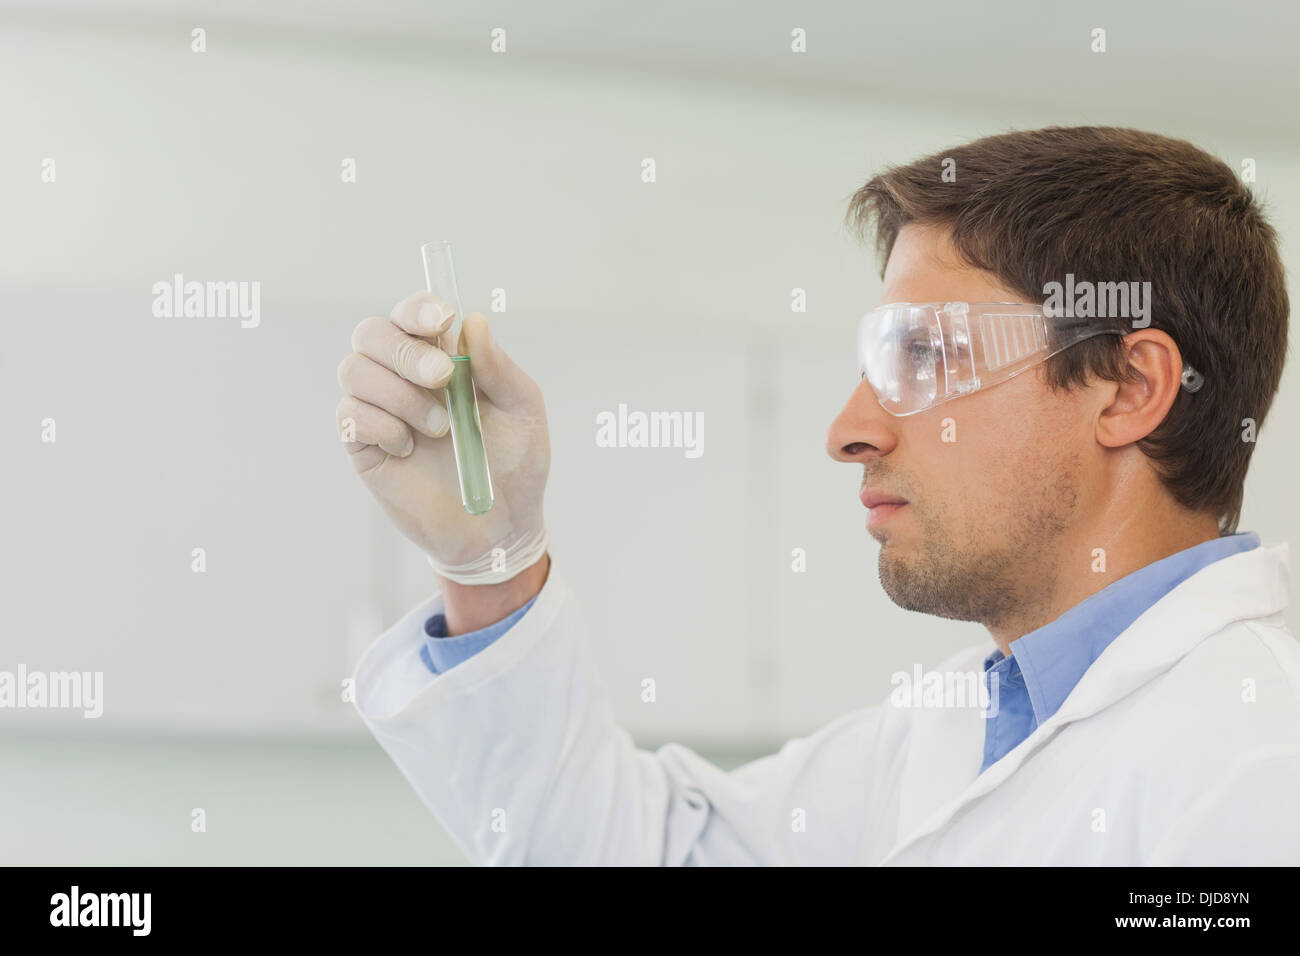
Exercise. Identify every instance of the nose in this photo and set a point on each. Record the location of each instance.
(862, 430)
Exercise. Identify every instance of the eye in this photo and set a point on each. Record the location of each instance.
(917, 350)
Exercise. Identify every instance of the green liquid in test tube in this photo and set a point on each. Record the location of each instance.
(461, 399)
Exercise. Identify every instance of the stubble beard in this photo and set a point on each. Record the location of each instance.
(991, 575)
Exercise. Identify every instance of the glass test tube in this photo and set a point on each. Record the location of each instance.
(461, 399)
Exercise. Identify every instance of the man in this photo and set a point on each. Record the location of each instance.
(1042, 454)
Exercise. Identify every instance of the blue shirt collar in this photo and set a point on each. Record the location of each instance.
(1053, 658)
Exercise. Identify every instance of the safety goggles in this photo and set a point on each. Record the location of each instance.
(920, 354)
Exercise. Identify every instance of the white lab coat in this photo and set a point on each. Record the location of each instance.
(1180, 745)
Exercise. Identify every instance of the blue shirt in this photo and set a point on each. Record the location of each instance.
(441, 653)
(1046, 664)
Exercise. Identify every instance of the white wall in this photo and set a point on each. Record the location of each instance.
(174, 434)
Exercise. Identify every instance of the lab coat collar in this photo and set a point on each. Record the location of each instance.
(1054, 657)
(1246, 586)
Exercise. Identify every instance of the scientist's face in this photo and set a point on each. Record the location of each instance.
(986, 511)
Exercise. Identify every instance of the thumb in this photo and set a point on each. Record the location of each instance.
(496, 375)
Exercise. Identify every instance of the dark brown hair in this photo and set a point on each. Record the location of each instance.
(1121, 205)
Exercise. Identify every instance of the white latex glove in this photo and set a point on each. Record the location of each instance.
(395, 427)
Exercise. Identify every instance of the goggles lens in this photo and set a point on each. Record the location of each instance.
(900, 352)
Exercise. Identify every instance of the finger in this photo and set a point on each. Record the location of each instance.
(495, 373)
(422, 313)
(369, 381)
(362, 422)
(412, 358)
(365, 457)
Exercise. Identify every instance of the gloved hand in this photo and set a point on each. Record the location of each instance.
(394, 422)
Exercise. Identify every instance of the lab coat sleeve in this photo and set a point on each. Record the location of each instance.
(1251, 819)
(517, 754)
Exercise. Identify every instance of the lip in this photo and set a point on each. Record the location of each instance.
(873, 499)
(880, 506)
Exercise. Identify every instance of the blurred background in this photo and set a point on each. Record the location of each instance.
(222, 690)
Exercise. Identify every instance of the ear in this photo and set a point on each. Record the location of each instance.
(1139, 405)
